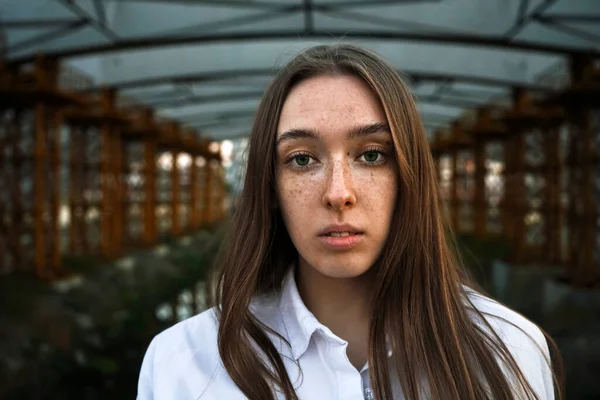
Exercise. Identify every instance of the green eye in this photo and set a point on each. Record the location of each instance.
(371, 156)
(302, 160)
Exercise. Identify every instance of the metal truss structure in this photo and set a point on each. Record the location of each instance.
(63, 149)
(508, 92)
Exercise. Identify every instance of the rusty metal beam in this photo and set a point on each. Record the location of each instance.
(479, 198)
(159, 41)
(55, 181)
(553, 210)
(150, 229)
(77, 238)
(194, 194)
(108, 181)
(516, 195)
(584, 208)
(40, 192)
(175, 193)
(208, 192)
(453, 199)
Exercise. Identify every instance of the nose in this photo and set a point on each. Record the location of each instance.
(339, 192)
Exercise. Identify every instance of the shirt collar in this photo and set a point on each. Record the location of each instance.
(299, 322)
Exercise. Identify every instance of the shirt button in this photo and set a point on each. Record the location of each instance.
(369, 394)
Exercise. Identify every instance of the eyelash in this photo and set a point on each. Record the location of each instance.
(380, 161)
(382, 156)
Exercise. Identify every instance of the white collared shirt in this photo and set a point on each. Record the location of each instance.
(183, 363)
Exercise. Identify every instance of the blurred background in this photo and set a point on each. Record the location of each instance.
(123, 125)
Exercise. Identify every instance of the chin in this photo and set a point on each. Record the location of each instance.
(340, 267)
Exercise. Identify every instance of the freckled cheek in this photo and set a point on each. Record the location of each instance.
(297, 196)
(298, 192)
(379, 192)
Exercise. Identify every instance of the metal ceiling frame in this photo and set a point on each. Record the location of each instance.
(63, 30)
(559, 25)
(308, 8)
(583, 18)
(99, 23)
(37, 23)
(412, 75)
(348, 10)
(455, 101)
(445, 39)
(272, 5)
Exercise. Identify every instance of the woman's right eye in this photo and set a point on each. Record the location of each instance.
(302, 160)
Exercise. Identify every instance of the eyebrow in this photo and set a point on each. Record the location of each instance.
(295, 134)
(370, 129)
(363, 130)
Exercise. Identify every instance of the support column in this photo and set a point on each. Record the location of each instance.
(12, 174)
(552, 248)
(584, 248)
(150, 229)
(208, 192)
(480, 203)
(194, 192)
(517, 204)
(489, 135)
(6, 259)
(40, 189)
(455, 202)
(583, 229)
(109, 180)
(201, 185)
(454, 193)
(107, 189)
(175, 193)
(126, 194)
(119, 205)
(54, 230)
(221, 190)
(75, 189)
(31, 173)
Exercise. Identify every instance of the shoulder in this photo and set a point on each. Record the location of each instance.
(183, 362)
(524, 339)
(511, 326)
(182, 359)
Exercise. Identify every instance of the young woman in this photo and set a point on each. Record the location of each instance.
(338, 280)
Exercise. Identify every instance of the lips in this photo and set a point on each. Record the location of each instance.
(341, 237)
(340, 234)
(340, 230)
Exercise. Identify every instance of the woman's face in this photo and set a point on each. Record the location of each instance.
(336, 174)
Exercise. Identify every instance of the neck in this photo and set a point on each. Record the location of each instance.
(341, 304)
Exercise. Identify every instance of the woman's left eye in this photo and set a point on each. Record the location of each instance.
(371, 156)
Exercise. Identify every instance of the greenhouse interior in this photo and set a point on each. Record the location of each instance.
(124, 126)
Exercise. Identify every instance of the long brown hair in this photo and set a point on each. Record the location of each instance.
(420, 306)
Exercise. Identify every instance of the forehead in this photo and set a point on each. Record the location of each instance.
(334, 100)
